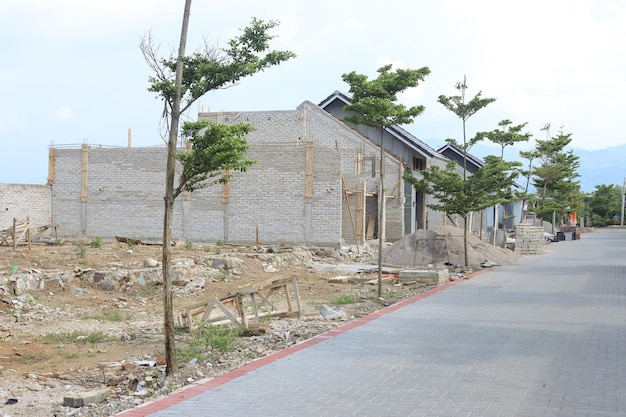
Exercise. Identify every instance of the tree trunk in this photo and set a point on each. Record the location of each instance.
(168, 315)
(465, 225)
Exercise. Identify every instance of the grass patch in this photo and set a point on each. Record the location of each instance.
(75, 337)
(208, 342)
(343, 300)
(96, 242)
(111, 316)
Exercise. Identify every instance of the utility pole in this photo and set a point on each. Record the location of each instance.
(621, 223)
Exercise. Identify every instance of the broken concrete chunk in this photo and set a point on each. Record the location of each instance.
(81, 399)
(330, 313)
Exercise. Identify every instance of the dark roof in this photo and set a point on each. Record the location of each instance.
(473, 159)
(396, 131)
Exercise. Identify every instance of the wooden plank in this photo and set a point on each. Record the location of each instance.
(294, 282)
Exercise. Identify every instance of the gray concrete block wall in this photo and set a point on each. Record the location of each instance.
(66, 207)
(21, 201)
(126, 186)
(125, 192)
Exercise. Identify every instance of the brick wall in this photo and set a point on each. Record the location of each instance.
(24, 200)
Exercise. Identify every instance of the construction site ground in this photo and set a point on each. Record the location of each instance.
(78, 337)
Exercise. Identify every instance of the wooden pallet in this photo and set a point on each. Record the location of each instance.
(17, 234)
(243, 308)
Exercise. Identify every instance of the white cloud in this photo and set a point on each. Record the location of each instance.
(63, 113)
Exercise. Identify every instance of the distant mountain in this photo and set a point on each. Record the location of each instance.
(604, 166)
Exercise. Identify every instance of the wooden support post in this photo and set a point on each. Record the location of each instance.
(294, 282)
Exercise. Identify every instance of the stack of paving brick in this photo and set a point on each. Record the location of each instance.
(529, 239)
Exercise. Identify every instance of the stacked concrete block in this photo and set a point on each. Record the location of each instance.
(529, 240)
(19, 201)
(424, 276)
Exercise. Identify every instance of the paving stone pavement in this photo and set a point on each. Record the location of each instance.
(545, 337)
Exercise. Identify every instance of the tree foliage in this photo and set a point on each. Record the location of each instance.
(490, 185)
(212, 150)
(555, 176)
(605, 204)
(464, 110)
(374, 101)
(214, 68)
(509, 135)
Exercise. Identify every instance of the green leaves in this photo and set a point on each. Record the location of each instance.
(213, 149)
(457, 105)
(373, 101)
(488, 186)
(215, 68)
(555, 176)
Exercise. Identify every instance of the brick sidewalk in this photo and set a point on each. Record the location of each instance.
(542, 338)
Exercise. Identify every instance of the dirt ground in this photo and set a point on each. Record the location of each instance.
(75, 336)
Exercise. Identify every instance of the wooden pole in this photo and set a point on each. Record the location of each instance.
(345, 193)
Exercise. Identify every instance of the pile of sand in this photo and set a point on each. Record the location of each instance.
(443, 246)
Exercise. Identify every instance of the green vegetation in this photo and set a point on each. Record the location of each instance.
(81, 250)
(96, 242)
(110, 316)
(603, 206)
(76, 336)
(208, 342)
(343, 300)
(188, 244)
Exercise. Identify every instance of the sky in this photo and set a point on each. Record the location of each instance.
(71, 71)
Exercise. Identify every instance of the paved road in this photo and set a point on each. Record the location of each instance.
(546, 337)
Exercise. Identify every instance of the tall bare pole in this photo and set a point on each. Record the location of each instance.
(168, 315)
(381, 213)
(621, 223)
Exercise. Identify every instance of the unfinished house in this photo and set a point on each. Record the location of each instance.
(412, 154)
(315, 183)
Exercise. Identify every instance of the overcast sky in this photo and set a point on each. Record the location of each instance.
(71, 70)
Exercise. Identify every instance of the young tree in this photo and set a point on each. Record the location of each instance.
(508, 136)
(527, 173)
(488, 186)
(457, 105)
(374, 105)
(555, 177)
(182, 80)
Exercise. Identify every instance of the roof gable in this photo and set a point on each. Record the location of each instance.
(342, 99)
(456, 154)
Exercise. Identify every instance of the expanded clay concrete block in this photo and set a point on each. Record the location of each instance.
(424, 276)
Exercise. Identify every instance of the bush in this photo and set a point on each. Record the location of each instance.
(96, 242)
(208, 342)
